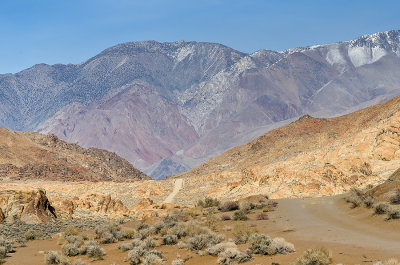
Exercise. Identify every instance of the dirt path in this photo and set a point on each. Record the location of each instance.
(177, 187)
(329, 220)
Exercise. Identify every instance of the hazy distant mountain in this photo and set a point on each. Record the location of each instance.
(188, 101)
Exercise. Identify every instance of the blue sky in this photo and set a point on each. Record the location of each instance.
(71, 31)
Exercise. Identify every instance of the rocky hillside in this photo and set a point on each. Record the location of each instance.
(167, 107)
(309, 157)
(28, 155)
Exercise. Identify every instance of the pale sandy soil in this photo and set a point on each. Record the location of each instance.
(353, 235)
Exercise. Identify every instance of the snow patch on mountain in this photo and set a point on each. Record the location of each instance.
(360, 56)
(334, 56)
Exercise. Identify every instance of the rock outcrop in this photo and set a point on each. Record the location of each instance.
(28, 207)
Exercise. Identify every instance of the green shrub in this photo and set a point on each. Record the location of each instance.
(208, 202)
(240, 216)
(314, 256)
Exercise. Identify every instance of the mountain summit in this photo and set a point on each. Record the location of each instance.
(167, 107)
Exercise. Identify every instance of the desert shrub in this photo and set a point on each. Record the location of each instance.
(263, 244)
(71, 231)
(247, 206)
(153, 259)
(193, 228)
(178, 262)
(392, 213)
(53, 257)
(211, 222)
(32, 235)
(262, 216)
(229, 206)
(125, 247)
(199, 242)
(148, 243)
(70, 250)
(182, 245)
(95, 252)
(128, 234)
(369, 201)
(142, 226)
(3, 253)
(240, 216)
(242, 233)
(354, 199)
(225, 217)
(89, 244)
(232, 256)
(170, 221)
(109, 233)
(396, 198)
(180, 230)
(314, 256)
(158, 227)
(381, 208)
(6, 244)
(218, 248)
(169, 239)
(143, 233)
(208, 202)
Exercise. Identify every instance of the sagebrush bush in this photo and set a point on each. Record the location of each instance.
(388, 262)
(218, 248)
(109, 233)
(240, 216)
(242, 233)
(208, 202)
(7, 244)
(153, 259)
(71, 231)
(396, 198)
(381, 208)
(354, 199)
(125, 247)
(392, 213)
(3, 253)
(79, 262)
(169, 239)
(263, 244)
(314, 256)
(70, 250)
(229, 206)
(95, 252)
(369, 201)
(199, 242)
(179, 230)
(54, 257)
(232, 256)
(32, 235)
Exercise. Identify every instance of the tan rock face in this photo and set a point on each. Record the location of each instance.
(29, 207)
(309, 157)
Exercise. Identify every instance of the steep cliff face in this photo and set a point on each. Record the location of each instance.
(27, 155)
(188, 101)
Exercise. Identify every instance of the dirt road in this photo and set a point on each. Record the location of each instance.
(330, 222)
(177, 187)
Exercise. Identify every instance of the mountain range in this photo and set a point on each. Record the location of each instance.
(167, 107)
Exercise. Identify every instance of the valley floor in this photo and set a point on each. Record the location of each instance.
(354, 236)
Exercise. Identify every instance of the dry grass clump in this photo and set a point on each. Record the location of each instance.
(263, 244)
(208, 202)
(314, 256)
(242, 233)
(233, 256)
(229, 206)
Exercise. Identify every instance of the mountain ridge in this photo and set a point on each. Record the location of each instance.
(185, 101)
